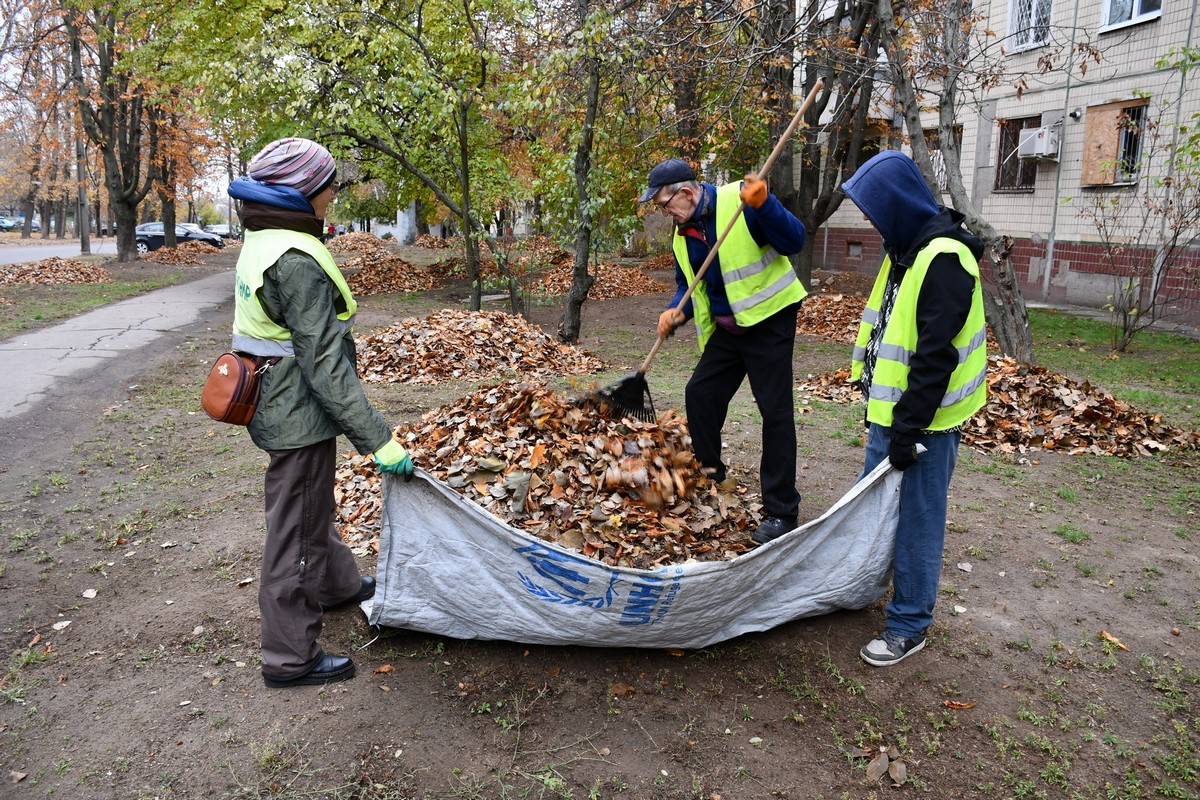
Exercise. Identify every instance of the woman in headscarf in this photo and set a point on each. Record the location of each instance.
(294, 311)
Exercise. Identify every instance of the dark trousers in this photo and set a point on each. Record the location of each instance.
(306, 565)
(764, 353)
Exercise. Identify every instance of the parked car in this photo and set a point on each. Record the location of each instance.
(150, 236)
(7, 224)
(222, 230)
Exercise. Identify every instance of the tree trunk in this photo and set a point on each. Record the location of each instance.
(581, 278)
(115, 124)
(1006, 313)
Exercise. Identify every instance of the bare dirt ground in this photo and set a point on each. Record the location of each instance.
(131, 530)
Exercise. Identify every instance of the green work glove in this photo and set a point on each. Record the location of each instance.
(394, 459)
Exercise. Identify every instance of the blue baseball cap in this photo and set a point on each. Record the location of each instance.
(673, 170)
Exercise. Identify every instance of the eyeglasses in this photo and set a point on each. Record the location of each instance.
(663, 205)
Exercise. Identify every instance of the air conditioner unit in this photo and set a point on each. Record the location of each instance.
(1038, 143)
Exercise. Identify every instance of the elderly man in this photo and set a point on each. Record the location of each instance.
(745, 311)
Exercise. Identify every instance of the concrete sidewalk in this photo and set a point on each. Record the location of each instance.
(34, 361)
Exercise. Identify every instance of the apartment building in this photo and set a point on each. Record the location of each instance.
(1037, 160)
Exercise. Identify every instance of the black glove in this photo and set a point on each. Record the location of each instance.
(902, 452)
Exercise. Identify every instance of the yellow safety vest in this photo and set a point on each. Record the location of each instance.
(967, 390)
(758, 281)
(253, 331)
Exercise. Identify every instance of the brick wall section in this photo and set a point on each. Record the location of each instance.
(1082, 274)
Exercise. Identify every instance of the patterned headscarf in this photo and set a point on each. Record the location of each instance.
(301, 164)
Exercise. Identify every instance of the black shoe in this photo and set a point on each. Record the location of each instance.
(772, 528)
(366, 591)
(328, 669)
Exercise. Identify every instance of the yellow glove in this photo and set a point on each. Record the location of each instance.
(394, 459)
(754, 191)
(668, 321)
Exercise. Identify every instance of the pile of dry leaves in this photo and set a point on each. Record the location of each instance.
(625, 492)
(1035, 409)
(360, 242)
(612, 281)
(451, 345)
(831, 316)
(435, 242)
(660, 262)
(379, 271)
(177, 256)
(54, 271)
(198, 247)
(1039, 409)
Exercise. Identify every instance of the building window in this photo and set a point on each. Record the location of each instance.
(1015, 174)
(1120, 12)
(1112, 143)
(1030, 22)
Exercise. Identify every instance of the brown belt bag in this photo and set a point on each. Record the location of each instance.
(230, 393)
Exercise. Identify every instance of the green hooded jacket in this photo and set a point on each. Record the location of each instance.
(315, 394)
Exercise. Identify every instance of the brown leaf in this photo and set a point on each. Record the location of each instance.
(384, 669)
(956, 705)
(621, 690)
(898, 772)
(1108, 637)
(878, 767)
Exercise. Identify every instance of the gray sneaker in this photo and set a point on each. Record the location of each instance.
(890, 648)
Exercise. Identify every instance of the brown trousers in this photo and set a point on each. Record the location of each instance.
(306, 565)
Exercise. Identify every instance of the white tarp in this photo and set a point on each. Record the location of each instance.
(447, 566)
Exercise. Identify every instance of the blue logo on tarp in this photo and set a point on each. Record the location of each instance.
(558, 568)
(648, 600)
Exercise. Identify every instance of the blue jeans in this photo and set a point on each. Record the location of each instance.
(921, 531)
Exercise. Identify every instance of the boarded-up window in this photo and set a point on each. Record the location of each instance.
(1015, 174)
(1112, 143)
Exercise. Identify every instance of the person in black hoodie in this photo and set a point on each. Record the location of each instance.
(921, 359)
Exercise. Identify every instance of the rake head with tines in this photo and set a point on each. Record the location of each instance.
(630, 396)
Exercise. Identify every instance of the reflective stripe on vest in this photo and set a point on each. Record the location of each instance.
(758, 281)
(966, 392)
(253, 331)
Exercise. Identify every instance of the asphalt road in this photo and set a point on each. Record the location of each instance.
(21, 253)
(57, 379)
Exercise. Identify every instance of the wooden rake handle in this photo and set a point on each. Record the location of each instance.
(766, 168)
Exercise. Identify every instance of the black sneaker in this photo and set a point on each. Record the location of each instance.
(772, 528)
(890, 648)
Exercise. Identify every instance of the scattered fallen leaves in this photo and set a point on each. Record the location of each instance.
(1036, 409)
(1108, 637)
(611, 281)
(451, 344)
(887, 761)
(54, 271)
(378, 271)
(625, 492)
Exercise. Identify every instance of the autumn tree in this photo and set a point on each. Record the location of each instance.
(1150, 236)
(940, 57)
(113, 104)
(37, 116)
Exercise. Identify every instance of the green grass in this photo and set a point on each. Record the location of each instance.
(1160, 372)
(34, 306)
